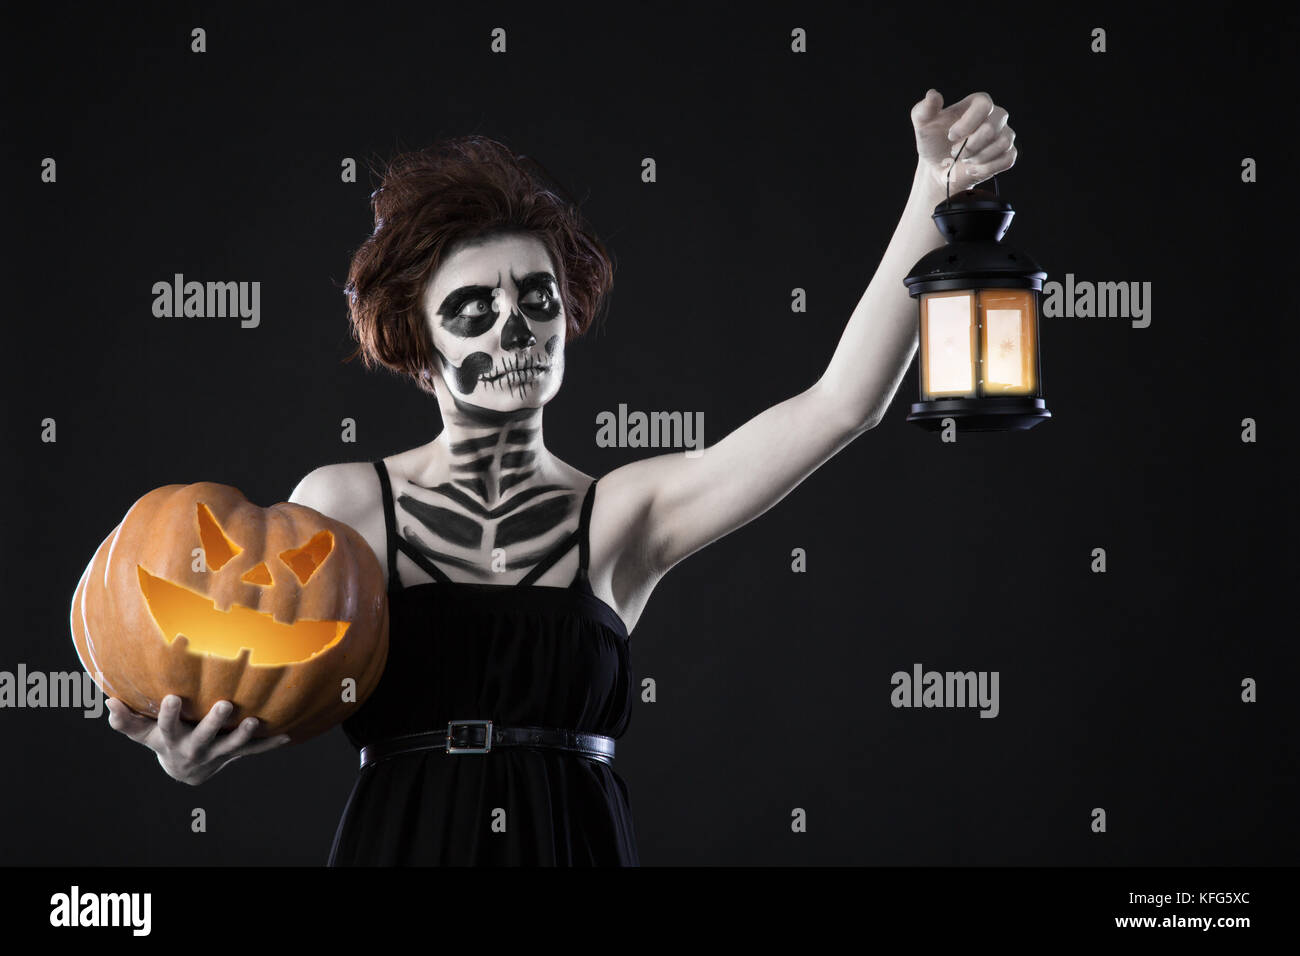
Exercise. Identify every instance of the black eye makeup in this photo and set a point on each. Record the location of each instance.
(467, 312)
(537, 294)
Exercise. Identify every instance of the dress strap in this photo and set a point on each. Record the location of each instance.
(397, 543)
(544, 565)
(390, 525)
(578, 537)
(422, 562)
(584, 531)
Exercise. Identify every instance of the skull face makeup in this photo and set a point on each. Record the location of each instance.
(497, 324)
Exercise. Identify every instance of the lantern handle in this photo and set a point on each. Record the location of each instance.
(948, 178)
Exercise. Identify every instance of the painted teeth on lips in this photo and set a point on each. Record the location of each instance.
(526, 370)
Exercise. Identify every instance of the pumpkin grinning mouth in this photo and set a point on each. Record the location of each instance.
(180, 612)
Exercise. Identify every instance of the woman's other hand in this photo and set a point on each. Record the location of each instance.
(976, 119)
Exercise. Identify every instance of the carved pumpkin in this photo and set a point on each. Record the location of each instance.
(200, 593)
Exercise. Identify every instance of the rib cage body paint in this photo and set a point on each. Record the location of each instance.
(500, 351)
(459, 523)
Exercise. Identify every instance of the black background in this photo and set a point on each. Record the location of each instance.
(775, 170)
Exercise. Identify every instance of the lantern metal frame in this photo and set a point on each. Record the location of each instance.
(975, 258)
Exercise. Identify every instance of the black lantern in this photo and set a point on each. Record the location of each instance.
(978, 302)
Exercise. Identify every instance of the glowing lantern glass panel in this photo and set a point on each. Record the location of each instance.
(978, 303)
(948, 343)
(1008, 342)
(977, 343)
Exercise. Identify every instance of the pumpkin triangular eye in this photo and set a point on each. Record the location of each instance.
(305, 560)
(217, 548)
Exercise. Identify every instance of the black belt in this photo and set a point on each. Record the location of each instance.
(481, 736)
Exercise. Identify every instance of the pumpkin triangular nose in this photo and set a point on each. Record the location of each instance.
(260, 575)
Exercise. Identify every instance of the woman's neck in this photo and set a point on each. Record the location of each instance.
(488, 454)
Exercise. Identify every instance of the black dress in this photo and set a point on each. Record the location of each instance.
(520, 655)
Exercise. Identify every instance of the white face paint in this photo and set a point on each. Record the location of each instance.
(497, 322)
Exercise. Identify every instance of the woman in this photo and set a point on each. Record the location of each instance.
(514, 583)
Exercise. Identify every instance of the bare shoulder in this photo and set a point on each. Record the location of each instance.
(621, 501)
(346, 492)
(613, 509)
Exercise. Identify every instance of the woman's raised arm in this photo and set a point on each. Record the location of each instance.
(681, 504)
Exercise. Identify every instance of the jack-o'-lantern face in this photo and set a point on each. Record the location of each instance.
(182, 613)
(202, 594)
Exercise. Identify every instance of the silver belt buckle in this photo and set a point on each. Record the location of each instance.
(487, 737)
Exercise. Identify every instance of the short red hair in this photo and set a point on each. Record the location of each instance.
(430, 201)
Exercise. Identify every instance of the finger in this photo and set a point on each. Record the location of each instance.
(262, 746)
(974, 110)
(979, 172)
(237, 738)
(169, 720)
(207, 729)
(991, 152)
(988, 131)
(126, 721)
(929, 107)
